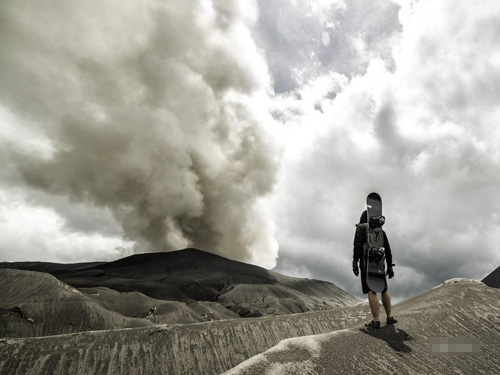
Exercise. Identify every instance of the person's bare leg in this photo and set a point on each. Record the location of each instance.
(372, 298)
(386, 301)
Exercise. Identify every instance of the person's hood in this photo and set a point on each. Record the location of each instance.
(364, 217)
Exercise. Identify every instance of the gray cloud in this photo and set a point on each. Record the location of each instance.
(147, 110)
(78, 217)
(304, 39)
(423, 133)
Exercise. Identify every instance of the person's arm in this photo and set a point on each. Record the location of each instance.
(388, 252)
(359, 241)
(358, 248)
(388, 257)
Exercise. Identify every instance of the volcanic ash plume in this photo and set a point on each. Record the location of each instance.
(149, 109)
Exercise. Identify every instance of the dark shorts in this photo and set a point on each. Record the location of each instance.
(364, 285)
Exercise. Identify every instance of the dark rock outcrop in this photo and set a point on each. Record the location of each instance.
(493, 279)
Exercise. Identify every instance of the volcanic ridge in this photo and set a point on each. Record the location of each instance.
(179, 287)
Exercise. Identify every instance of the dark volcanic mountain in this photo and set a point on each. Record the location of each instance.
(184, 286)
(493, 279)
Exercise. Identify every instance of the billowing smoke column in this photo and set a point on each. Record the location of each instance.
(150, 109)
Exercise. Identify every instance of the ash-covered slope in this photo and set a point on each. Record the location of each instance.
(493, 279)
(191, 275)
(457, 308)
(454, 309)
(37, 304)
(138, 305)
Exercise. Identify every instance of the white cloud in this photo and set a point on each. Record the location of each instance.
(421, 130)
(32, 232)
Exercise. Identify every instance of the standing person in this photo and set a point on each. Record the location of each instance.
(359, 242)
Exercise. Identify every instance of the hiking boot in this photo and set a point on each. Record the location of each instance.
(373, 324)
(391, 320)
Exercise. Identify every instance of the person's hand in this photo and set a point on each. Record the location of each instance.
(355, 268)
(390, 272)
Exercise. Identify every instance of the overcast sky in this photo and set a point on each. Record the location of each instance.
(253, 129)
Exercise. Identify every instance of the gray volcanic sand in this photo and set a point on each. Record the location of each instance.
(37, 304)
(462, 308)
(202, 348)
(137, 305)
